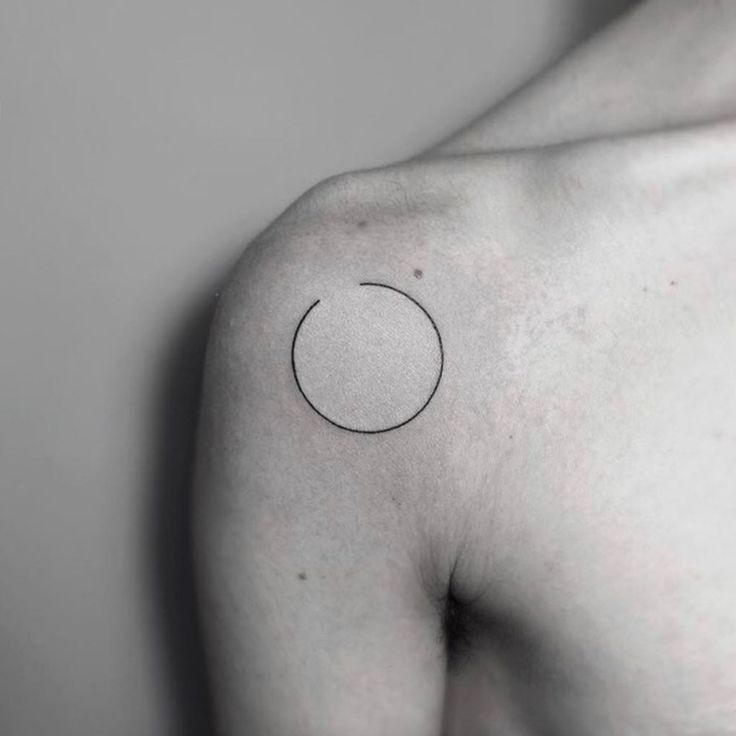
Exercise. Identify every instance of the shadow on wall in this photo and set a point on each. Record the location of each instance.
(170, 532)
(594, 16)
(176, 411)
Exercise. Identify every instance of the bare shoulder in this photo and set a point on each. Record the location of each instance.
(347, 428)
(339, 326)
(426, 324)
(326, 449)
(417, 377)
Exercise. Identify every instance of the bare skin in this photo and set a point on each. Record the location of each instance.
(549, 547)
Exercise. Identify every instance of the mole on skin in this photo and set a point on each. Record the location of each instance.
(367, 358)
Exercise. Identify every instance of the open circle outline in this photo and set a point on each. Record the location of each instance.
(394, 426)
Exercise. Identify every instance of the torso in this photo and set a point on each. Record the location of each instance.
(583, 434)
(605, 564)
(595, 338)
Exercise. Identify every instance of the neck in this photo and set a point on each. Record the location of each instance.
(664, 64)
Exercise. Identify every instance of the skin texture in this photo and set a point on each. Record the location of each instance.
(548, 547)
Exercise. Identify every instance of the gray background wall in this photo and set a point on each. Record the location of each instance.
(142, 145)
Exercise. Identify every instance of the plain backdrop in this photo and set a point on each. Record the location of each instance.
(142, 145)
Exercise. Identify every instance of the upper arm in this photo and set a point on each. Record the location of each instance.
(310, 555)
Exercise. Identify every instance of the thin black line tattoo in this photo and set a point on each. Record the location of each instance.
(395, 426)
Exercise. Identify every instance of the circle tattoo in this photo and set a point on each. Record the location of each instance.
(368, 359)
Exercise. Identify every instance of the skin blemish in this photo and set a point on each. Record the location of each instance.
(302, 576)
(418, 273)
(362, 224)
(511, 436)
(673, 283)
(644, 288)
